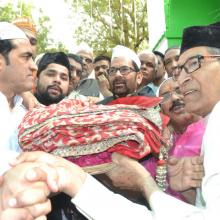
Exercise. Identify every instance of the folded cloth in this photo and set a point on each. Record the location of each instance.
(87, 134)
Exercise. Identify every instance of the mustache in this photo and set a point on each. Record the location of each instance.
(118, 81)
(55, 87)
(176, 103)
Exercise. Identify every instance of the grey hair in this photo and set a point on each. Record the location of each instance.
(213, 50)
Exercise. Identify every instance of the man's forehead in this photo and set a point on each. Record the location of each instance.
(101, 62)
(121, 61)
(29, 33)
(172, 53)
(85, 53)
(191, 53)
(148, 57)
(57, 67)
(75, 63)
(168, 86)
(22, 44)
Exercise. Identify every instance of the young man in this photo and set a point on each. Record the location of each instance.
(52, 78)
(101, 67)
(171, 57)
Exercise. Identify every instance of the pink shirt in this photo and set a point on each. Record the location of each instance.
(185, 145)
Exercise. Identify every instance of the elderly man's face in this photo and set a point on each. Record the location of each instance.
(173, 104)
(148, 67)
(124, 84)
(201, 88)
(87, 59)
(170, 60)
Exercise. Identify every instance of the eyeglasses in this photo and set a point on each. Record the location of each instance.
(88, 60)
(191, 65)
(167, 96)
(124, 70)
(104, 67)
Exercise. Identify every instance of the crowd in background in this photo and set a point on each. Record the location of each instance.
(183, 84)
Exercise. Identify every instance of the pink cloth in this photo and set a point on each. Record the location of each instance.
(185, 145)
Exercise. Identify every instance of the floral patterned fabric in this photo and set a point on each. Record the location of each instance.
(87, 134)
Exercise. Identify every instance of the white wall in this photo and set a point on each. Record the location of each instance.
(156, 23)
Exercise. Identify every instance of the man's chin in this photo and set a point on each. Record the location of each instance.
(121, 94)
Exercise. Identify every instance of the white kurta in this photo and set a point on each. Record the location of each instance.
(9, 122)
(98, 203)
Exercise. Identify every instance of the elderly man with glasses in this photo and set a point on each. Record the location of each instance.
(88, 85)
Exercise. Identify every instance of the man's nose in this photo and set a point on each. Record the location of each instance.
(175, 96)
(118, 73)
(183, 78)
(33, 65)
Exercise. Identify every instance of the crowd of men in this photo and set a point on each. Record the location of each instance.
(185, 77)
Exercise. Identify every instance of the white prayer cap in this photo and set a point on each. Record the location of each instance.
(158, 90)
(9, 31)
(121, 51)
(83, 47)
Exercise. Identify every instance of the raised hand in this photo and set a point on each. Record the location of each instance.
(185, 173)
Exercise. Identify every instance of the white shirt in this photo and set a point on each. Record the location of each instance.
(97, 202)
(10, 121)
(6, 157)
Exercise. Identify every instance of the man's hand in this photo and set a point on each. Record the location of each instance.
(127, 173)
(185, 173)
(104, 85)
(24, 190)
(29, 100)
(130, 174)
(18, 214)
(70, 176)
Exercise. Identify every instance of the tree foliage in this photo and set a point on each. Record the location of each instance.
(9, 12)
(104, 24)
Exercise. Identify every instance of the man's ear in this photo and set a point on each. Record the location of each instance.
(2, 62)
(139, 78)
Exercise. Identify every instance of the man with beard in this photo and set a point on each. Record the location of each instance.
(124, 73)
(52, 78)
(52, 86)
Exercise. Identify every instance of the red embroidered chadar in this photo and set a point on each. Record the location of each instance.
(87, 134)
